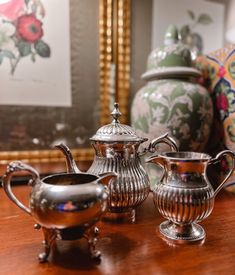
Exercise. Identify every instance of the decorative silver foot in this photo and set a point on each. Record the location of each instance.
(91, 237)
(182, 233)
(49, 239)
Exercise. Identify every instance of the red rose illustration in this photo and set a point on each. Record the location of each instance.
(29, 28)
(222, 102)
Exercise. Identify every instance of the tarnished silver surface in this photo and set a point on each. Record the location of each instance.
(116, 149)
(184, 196)
(66, 206)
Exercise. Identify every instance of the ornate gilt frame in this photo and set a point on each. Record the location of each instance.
(114, 64)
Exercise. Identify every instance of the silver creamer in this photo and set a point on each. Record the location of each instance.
(184, 195)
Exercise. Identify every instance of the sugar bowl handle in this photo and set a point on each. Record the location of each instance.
(219, 157)
(17, 166)
(162, 139)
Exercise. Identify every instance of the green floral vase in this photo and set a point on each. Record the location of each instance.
(172, 100)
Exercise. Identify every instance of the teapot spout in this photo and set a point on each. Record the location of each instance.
(105, 178)
(70, 162)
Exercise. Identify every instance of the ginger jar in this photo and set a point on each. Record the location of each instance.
(172, 100)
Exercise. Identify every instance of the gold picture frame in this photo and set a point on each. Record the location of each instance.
(114, 65)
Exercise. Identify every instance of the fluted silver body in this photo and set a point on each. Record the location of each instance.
(116, 149)
(184, 195)
(132, 186)
(181, 201)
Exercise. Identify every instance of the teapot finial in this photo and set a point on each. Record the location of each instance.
(116, 113)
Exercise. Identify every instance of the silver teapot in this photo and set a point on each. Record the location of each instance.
(66, 206)
(184, 195)
(117, 149)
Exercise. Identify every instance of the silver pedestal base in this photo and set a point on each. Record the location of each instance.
(183, 233)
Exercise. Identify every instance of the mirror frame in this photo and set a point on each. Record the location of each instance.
(114, 64)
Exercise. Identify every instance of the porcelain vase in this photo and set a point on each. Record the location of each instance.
(172, 100)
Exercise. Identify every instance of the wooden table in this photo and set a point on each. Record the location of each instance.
(126, 248)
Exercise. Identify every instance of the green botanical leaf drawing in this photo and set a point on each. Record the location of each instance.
(184, 31)
(33, 57)
(7, 54)
(204, 19)
(24, 48)
(191, 14)
(42, 49)
(24, 32)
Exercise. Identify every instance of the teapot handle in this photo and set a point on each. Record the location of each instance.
(16, 166)
(163, 139)
(219, 157)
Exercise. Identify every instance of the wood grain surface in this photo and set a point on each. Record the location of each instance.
(126, 248)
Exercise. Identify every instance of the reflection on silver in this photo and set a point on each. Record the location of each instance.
(116, 149)
(66, 206)
(184, 196)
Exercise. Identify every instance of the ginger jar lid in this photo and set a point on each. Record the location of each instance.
(171, 60)
(116, 132)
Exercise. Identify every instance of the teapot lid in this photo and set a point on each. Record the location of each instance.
(115, 131)
(171, 60)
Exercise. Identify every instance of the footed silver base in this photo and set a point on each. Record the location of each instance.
(51, 235)
(182, 233)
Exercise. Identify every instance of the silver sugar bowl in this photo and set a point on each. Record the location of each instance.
(184, 195)
(66, 206)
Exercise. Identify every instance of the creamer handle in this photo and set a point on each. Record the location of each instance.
(13, 167)
(163, 139)
(219, 157)
(159, 160)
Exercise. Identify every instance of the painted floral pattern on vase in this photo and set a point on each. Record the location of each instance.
(21, 32)
(221, 68)
(172, 100)
(223, 87)
(179, 107)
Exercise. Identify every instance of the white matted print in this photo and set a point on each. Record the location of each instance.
(204, 22)
(35, 53)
